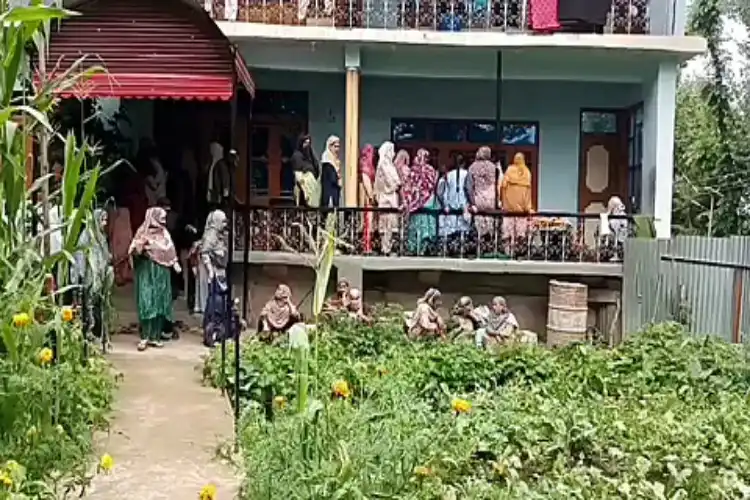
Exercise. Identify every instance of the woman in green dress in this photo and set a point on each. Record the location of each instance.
(153, 254)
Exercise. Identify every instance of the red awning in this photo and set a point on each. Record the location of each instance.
(150, 86)
(169, 49)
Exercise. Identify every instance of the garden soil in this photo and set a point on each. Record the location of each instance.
(167, 428)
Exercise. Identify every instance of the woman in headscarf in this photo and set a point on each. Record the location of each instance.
(356, 307)
(498, 325)
(453, 194)
(214, 255)
(483, 193)
(366, 192)
(330, 175)
(419, 193)
(153, 254)
(425, 321)
(340, 300)
(306, 173)
(613, 232)
(515, 190)
(279, 313)
(403, 165)
(387, 185)
(92, 270)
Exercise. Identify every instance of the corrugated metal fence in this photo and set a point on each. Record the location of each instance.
(701, 282)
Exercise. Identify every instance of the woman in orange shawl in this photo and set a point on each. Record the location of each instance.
(515, 193)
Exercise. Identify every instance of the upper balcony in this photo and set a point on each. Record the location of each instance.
(637, 17)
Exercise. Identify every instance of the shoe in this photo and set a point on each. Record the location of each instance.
(142, 345)
(155, 343)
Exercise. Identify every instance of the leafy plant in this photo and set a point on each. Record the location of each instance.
(664, 415)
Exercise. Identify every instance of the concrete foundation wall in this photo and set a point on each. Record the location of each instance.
(527, 295)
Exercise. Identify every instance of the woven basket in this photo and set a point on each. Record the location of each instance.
(567, 314)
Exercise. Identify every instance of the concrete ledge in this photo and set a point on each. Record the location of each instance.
(605, 269)
(683, 46)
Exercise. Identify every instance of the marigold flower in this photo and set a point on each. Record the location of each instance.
(341, 389)
(279, 402)
(21, 319)
(460, 405)
(208, 492)
(67, 314)
(45, 356)
(6, 480)
(422, 471)
(106, 463)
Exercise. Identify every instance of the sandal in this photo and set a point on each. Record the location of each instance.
(142, 345)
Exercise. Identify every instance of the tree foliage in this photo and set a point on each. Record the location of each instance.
(712, 155)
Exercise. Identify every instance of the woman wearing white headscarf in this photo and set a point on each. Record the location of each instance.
(330, 173)
(387, 185)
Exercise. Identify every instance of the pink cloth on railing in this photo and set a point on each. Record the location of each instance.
(544, 15)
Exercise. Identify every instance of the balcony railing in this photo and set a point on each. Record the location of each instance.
(507, 16)
(560, 237)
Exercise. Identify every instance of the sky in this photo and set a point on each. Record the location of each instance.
(734, 34)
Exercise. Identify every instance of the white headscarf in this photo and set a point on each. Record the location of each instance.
(328, 156)
(387, 179)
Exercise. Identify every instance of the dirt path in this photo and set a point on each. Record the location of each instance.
(166, 427)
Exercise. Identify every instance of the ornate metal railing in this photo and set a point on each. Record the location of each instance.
(562, 237)
(625, 16)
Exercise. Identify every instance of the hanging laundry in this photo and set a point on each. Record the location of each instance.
(544, 15)
(584, 15)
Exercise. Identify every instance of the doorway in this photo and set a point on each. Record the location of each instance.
(280, 117)
(602, 164)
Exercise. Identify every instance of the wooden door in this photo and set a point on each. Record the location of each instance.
(271, 148)
(601, 167)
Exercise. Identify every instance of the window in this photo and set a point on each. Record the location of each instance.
(635, 157)
(598, 122)
(483, 132)
(408, 130)
(520, 134)
(449, 131)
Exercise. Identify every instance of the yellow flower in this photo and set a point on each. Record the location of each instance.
(7, 481)
(106, 463)
(60, 429)
(45, 356)
(460, 405)
(341, 389)
(67, 314)
(21, 319)
(279, 402)
(208, 492)
(422, 471)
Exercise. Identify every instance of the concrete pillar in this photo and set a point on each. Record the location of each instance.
(351, 132)
(352, 272)
(658, 147)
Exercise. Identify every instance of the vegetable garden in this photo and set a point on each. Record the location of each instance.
(54, 390)
(364, 414)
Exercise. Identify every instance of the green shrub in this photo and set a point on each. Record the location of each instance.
(664, 415)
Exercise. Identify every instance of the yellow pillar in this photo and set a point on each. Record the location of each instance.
(351, 132)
